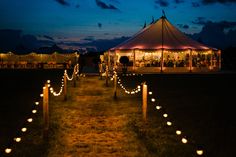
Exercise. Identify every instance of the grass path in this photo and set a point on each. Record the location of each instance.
(91, 123)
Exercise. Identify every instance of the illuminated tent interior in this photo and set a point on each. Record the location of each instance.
(34, 60)
(162, 47)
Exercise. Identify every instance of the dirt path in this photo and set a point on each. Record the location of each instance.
(92, 124)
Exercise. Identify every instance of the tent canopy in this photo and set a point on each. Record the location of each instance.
(160, 34)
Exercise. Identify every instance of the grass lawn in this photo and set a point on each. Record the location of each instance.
(92, 123)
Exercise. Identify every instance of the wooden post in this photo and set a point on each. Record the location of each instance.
(45, 111)
(115, 85)
(190, 60)
(74, 79)
(109, 60)
(144, 106)
(107, 75)
(65, 87)
(100, 70)
(134, 60)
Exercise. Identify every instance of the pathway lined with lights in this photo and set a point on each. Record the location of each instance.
(92, 123)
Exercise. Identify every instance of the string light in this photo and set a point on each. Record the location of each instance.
(158, 107)
(8, 150)
(165, 115)
(34, 111)
(36, 103)
(17, 139)
(169, 123)
(153, 100)
(30, 120)
(24, 129)
(41, 95)
(178, 132)
(150, 93)
(199, 152)
(184, 140)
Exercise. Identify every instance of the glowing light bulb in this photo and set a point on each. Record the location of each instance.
(199, 152)
(178, 132)
(184, 140)
(34, 111)
(24, 129)
(150, 93)
(36, 103)
(165, 115)
(8, 150)
(158, 107)
(41, 95)
(44, 87)
(153, 100)
(139, 86)
(48, 81)
(17, 139)
(30, 120)
(169, 123)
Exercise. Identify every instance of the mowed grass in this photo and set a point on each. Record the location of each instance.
(201, 105)
(91, 123)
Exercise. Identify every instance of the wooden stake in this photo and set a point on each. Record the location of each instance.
(144, 106)
(65, 87)
(45, 111)
(115, 85)
(107, 75)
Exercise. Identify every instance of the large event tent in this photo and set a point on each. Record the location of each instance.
(162, 47)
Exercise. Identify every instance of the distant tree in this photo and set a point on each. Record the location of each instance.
(124, 60)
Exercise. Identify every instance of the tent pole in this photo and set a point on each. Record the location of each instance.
(134, 60)
(162, 43)
(162, 59)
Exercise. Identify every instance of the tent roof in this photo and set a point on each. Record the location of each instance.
(151, 38)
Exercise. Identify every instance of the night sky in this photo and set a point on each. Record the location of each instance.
(69, 22)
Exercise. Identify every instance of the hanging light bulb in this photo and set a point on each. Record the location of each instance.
(36, 103)
(24, 129)
(199, 152)
(30, 120)
(184, 140)
(158, 107)
(34, 111)
(150, 93)
(165, 115)
(169, 123)
(153, 100)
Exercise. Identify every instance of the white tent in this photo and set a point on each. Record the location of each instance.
(161, 43)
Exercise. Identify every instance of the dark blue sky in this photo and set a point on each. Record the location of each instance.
(76, 20)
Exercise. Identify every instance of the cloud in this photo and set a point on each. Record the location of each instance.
(214, 34)
(195, 4)
(99, 25)
(218, 1)
(179, 1)
(183, 26)
(89, 38)
(48, 37)
(162, 3)
(200, 21)
(105, 6)
(115, 1)
(63, 2)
